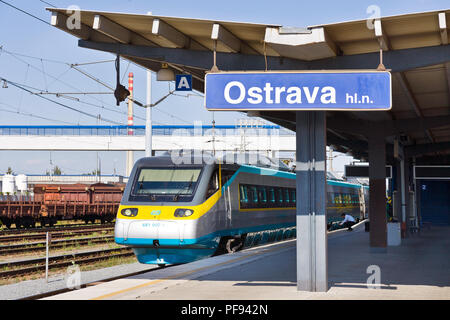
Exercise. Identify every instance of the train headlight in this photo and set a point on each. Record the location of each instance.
(182, 213)
(129, 212)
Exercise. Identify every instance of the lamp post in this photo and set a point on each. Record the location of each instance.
(164, 74)
(148, 116)
(148, 113)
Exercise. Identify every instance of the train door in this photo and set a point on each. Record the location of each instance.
(362, 203)
(226, 172)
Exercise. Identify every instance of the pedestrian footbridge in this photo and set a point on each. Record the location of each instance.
(262, 138)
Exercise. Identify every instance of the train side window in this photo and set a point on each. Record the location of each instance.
(330, 198)
(254, 194)
(293, 196)
(243, 195)
(279, 194)
(286, 195)
(271, 196)
(262, 195)
(213, 184)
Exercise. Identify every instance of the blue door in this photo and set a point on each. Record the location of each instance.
(435, 201)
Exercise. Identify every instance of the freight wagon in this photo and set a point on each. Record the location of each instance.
(51, 203)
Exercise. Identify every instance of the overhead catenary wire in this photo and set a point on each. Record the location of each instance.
(72, 93)
(17, 111)
(51, 5)
(39, 92)
(25, 80)
(89, 63)
(35, 116)
(49, 75)
(53, 60)
(56, 79)
(31, 57)
(87, 103)
(27, 13)
(103, 83)
(140, 104)
(60, 104)
(73, 66)
(43, 73)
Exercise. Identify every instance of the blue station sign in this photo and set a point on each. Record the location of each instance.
(311, 90)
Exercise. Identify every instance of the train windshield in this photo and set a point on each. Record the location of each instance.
(166, 181)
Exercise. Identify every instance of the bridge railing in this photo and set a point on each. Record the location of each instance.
(140, 130)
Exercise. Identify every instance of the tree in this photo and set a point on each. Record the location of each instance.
(93, 173)
(9, 171)
(57, 171)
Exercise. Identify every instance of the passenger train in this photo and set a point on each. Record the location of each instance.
(177, 213)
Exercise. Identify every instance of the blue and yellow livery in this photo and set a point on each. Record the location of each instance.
(177, 213)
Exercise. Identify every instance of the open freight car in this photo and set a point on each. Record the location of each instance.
(51, 203)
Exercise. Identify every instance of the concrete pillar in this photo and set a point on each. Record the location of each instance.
(312, 264)
(397, 209)
(377, 192)
(405, 219)
(418, 201)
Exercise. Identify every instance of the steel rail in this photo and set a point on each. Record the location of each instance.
(54, 235)
(37, 265)
(40, 246)
(69, 227)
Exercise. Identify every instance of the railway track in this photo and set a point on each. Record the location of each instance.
(31, 266)
(57, 244)
(55, 235)
(55, 229)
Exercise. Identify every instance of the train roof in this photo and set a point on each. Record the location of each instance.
(199, 157)
(254, 163)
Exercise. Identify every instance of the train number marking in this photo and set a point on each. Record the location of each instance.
(153, 225)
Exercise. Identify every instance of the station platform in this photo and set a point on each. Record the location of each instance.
(417, 269)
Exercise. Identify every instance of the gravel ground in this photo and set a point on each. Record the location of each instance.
(34, 287)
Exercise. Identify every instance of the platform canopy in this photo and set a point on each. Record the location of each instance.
(415, 49)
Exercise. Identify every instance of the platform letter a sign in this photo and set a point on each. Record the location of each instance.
(183, 82)
(374, 280)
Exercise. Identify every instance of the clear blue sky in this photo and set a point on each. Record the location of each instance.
(20, 33)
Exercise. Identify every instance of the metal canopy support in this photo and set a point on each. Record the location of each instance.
(377, 192)
(397, 204)
(312, 264)
(111, 29)
(225, 37)
(387, 127)
(396, 60)
(59, 21)
(408, 204)
(420, 149)
(171, 36)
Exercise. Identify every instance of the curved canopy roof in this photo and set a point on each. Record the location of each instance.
(415, 49)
